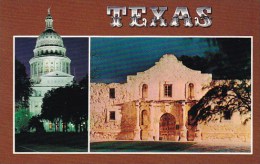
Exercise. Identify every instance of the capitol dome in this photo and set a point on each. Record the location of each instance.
(49, 43)
(49, 54)
(49, 38)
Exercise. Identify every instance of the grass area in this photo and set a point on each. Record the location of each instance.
(51, 142)
(139, 146)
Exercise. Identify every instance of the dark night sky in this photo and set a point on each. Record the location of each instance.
(112, 59)
(77, 51)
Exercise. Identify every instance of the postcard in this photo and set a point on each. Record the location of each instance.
(129, 81)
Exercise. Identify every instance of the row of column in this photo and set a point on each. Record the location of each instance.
(36, 71)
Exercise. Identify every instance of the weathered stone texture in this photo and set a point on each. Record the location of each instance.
(227, 130)
(140, 103)
(102, 128)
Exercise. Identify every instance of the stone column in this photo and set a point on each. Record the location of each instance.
(31, 70)
(61, 66)
(37, 69)
(157, 131)
(43, 67)
(54, 65)
(69, 67)
(151, 127)
(197, 137)
(183, 129)
(137, 127)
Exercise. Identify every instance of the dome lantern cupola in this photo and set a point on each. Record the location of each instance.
(49, 20)
(49, 43)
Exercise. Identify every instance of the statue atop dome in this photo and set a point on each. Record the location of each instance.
(49, 20)
(49, 42)
(49, 11)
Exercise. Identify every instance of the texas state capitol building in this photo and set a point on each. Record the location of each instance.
(49, 68)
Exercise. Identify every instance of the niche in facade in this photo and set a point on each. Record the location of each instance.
(144, 91)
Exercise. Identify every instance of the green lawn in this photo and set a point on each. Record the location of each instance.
(139, 146)
(51, 142)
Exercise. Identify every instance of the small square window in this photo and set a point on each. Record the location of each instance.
(168, 90)
(177, 127)
(112, 93)
(112, 115)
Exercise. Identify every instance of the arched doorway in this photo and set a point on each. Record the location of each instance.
(167, 127)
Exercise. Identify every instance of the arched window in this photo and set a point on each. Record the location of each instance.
(144, 118)
(191, 91)
(144, 91)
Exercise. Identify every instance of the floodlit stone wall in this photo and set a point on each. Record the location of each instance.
(167, 71)
(233, 130)
(133, 110)
(102, 126)
(128, 121)
(143, 88)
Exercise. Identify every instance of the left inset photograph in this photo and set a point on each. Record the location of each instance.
(50, 92)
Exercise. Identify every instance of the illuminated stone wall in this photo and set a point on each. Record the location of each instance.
(140, 103)
(144, 92)
(43, 65)
(167, 71)
(102, 126)
(233, 130)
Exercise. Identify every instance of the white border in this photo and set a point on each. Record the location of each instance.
(89, 58)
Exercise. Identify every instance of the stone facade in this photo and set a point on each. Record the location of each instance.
(231, 129)
(154, 105)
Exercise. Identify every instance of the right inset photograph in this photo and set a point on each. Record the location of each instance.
(171, 95)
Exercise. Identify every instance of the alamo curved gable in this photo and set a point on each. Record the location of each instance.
(154, 105)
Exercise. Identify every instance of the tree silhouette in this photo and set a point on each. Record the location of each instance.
(223, 96)
(22, 85)
(35, 123)
(232, 61)
(67, 104)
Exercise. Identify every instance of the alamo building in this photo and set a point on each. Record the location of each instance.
(154, 104)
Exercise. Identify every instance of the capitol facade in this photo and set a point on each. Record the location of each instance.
(49, 69)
